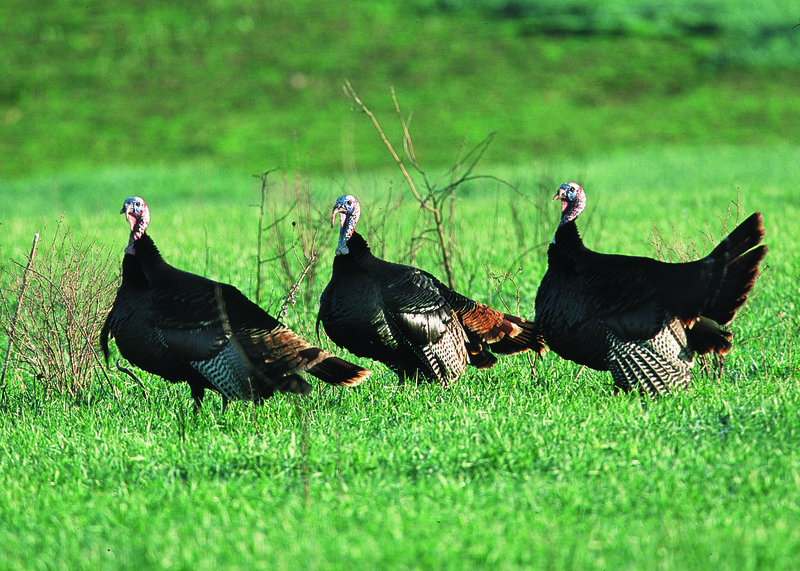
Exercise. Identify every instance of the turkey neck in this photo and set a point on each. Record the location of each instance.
(148, 257)
(571, 209)
(358, 249)
(567, 241)
(132, 273)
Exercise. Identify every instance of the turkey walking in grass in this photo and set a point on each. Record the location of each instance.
(642, 319)
(186, 328)
(406, 318)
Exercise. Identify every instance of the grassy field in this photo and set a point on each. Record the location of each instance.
(503, 471)
(666, 116)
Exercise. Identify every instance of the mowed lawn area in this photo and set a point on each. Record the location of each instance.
(517, 467)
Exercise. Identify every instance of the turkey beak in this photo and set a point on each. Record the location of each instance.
(127, 210)
(342, 215)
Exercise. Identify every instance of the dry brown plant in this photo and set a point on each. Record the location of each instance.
(70, 290)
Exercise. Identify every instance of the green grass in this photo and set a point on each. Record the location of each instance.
(663, 122)
(497, 474)
(253, 86)
(500, 472)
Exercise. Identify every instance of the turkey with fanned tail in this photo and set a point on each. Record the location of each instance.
(642, 319)
(405, 317)
(186, 328)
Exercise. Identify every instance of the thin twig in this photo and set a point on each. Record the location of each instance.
(16, 315)
(351, 93)
(499, 280)
(259, 259)
(408, 145)
(436, 198)
(291, 295)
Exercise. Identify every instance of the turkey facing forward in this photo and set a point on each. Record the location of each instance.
(186, 328)
(642, 319)
(405, 317)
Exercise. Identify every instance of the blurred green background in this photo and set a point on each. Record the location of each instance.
(246, 86)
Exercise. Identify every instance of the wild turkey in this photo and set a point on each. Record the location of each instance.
(184, 327)
(405, 317)
(640, 318)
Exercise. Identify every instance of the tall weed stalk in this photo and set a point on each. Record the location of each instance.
(293, 261)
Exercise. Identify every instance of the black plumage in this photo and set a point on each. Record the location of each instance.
(642, 319)
(405, 317)
(186, 328)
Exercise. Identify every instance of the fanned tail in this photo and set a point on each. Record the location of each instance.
(518, 335)
(504, 333)
(479, 356)
(741, 255)
(745, 236)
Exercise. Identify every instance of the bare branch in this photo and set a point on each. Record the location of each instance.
(291, 295)
(350, 92)
(436, 197)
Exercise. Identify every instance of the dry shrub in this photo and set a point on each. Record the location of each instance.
(69, 293)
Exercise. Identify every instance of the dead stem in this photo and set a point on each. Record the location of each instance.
(13, 325)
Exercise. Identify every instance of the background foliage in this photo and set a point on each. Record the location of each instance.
(723, 32)
(256, 85)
